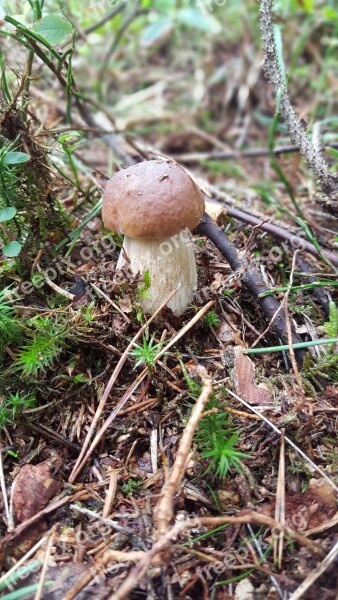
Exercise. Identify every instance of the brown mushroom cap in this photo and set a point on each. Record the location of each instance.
(153, 199)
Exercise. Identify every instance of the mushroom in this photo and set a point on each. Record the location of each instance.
(154, 204)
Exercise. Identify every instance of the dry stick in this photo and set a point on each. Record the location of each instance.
(251, 279)
(135, 385)
(146, 559)
(280, 232)
(165, 507)
(324, 526)
(45, 563)
(288, 326)
(80, 461)
(290, 442)
(110, 494)
(315, 573)
(280, 503)
(93, 515)
(55, 287)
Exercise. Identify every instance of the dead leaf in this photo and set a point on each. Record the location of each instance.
(33, 488)
(245, 382)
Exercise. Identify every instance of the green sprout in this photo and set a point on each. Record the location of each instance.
(146, 353)
(211, 319)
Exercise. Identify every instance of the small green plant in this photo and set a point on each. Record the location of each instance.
(331, 326)
(130, 486)
(9, 183)
(142, 288)
(145, 354)
(69, 146)
(47, 341)
(10, 328)
(216, 437)
(215, 444)
(12, 405)
(211, 319)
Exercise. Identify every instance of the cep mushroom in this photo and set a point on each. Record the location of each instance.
(155, 204)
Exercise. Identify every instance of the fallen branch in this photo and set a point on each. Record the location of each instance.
(251, 279)
(274, 72)
(281, 233)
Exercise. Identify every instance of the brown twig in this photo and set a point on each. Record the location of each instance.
(280, 504)
(251, 279)
(106, 18)
(165, 507)
(281, 233)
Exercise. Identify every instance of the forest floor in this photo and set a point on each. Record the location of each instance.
(152, 457)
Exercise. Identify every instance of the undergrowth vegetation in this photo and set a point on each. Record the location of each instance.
(87, 89)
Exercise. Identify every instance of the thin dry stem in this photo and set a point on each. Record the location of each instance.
(111, 493)
(164, 510)
(45, 563)
(280, 503)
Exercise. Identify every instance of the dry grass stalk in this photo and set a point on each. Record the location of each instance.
(280, 503)
(45, 563)
(164, 510)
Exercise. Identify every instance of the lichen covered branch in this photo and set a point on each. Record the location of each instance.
(273, 72)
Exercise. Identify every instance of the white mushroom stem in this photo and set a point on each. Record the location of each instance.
(170, 262)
